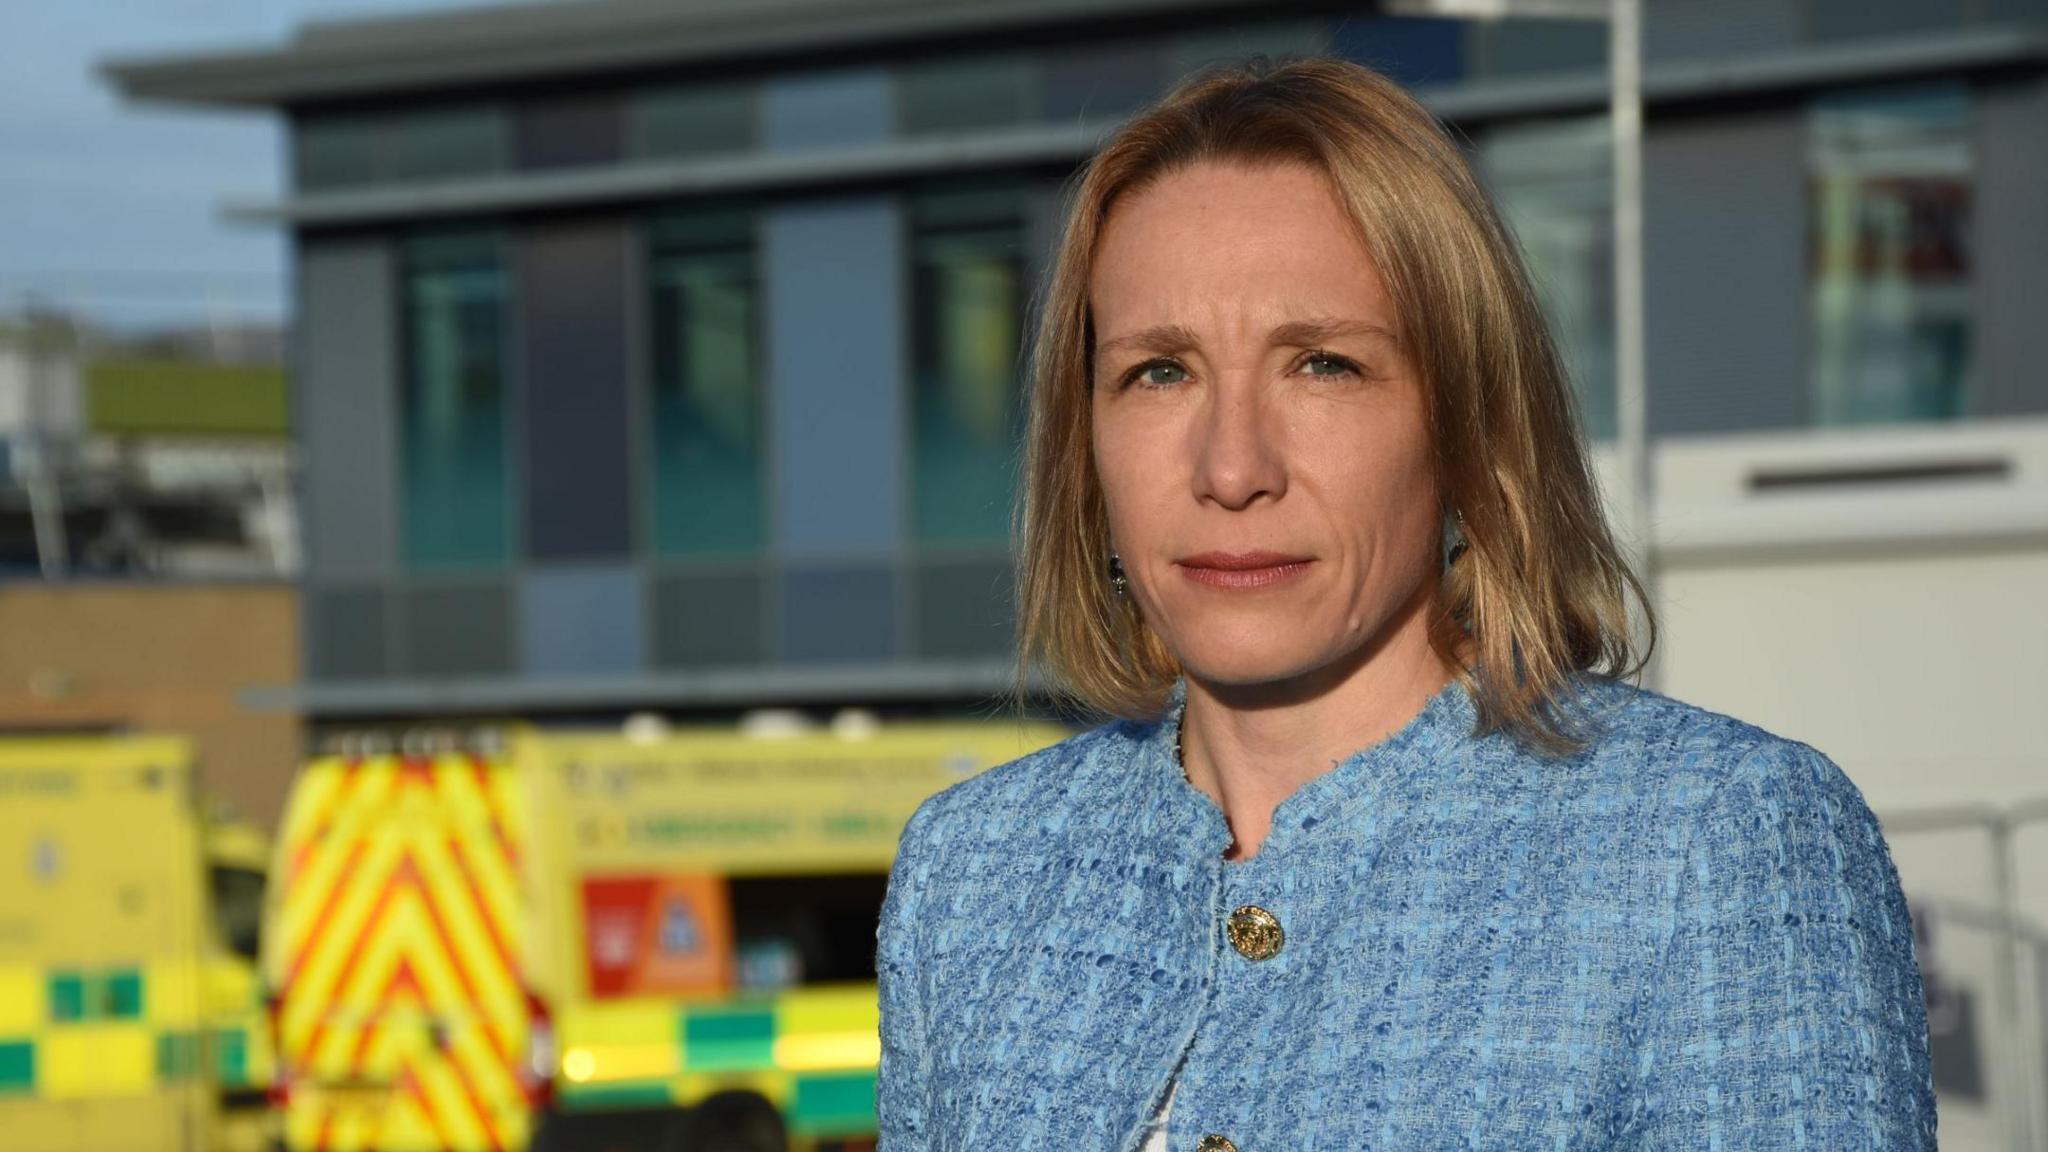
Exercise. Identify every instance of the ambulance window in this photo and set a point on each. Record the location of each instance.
(806, 929)
(238, 907)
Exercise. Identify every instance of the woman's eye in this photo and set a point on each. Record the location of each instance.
(1143, 374)
(1328, 364)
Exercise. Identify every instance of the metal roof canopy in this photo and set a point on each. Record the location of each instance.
(541, 41)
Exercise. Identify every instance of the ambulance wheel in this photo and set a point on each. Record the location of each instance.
(734, 1121)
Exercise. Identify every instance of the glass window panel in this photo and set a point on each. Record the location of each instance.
(964, 95)
(969, 296)
(570, 131)
(1855, 19)
(1412, 50)
(238, 907)
(706, 411)
(335, 153)
(1696, 29)
(1090, 81)
(1523, 47)
(456, 508)
(670, 123)
(1554, 185)
(429, 144)
(448, 142)
(1892, 180)
(1193, 51)
(2006, 11)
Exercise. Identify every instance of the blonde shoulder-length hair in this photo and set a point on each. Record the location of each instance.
(1541, 589)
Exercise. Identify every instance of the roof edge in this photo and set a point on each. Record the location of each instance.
(522, 42)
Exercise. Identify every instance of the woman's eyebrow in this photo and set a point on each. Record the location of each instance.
(1164, 338)
(1308, 333)
(1158, 339)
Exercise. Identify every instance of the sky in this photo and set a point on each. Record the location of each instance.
(113, 209)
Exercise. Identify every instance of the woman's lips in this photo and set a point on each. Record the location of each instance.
(1249, 570)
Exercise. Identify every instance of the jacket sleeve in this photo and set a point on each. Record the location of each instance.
(1788, 1012)
(902, 1081)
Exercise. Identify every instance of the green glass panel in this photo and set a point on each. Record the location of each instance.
(17, 1066)
(1893, 176)
(456, 509)
(67, 997)
(713, 229)
(969, 295)
(1551, 181)
(706, 419)
(121, 994)
(231, 1056)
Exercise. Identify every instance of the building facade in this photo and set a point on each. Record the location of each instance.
(658, 353)
(662, 355)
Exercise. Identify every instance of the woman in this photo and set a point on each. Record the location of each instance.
(1381, 852)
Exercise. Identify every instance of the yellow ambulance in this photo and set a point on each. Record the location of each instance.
(595, 940)
(130, 1015)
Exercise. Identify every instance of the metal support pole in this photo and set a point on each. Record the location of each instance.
(2019, 1111)
(1625, 117)
(46, 345)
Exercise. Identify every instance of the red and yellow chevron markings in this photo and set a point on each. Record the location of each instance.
(402, 1021)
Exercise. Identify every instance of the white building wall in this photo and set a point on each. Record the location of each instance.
(1882, 594)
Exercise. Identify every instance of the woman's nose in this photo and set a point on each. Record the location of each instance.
(1238, 458)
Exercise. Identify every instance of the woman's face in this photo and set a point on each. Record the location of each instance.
(1260, 436)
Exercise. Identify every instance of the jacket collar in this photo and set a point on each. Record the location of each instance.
(1426, 751)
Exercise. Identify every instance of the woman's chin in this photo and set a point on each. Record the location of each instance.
(1262, 660)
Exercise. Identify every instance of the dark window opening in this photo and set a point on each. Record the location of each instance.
(806, 929)
(238, 908)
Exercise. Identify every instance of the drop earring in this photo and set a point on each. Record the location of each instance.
(1454, 538)
(1117, 584)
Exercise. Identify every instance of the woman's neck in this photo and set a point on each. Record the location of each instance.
(1250, 747)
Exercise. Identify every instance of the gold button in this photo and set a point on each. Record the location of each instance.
(1214, 1143)
(1255, 932)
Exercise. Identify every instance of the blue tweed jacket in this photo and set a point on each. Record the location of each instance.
(1690, 936)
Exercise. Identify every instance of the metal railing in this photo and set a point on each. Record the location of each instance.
(2017, 950)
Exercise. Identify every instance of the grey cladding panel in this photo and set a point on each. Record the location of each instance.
(836, 374)
(1103, 80)
(1689, 29)
(1862, 19)
(708, 619)
(458, 630)
(1724, 234)
(2011, 274)
(347, 631)
(345, 384)
(581, 620)
(569, 132)
(572, 332)
(827, 110)
(964, 608)
(838, 614)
